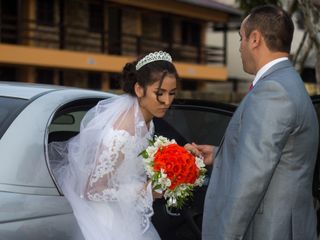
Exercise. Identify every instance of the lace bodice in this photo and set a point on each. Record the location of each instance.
(119, 171)
(103, 183)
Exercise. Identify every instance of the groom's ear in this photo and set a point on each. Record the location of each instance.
(255, 38)
(138, 90)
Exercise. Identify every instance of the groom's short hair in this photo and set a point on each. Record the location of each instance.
(275, 25)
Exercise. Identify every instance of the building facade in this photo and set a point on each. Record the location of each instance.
(85, 43)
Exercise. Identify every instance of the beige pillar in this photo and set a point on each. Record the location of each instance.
(29, 14)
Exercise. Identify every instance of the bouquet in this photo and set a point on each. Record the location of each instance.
(174, 172)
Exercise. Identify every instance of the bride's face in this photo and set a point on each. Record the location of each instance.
(157, 99)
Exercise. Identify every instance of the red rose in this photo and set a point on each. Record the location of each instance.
(177, 163)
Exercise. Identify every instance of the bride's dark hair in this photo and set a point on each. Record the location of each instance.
(146, 75)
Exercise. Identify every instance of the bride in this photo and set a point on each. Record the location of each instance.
(104, 179)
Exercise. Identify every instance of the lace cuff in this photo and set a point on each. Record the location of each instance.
(144, 206)
(105, 195)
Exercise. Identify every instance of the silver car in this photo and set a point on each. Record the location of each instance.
(33, 207)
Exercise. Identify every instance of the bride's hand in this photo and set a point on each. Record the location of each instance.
(156, 195)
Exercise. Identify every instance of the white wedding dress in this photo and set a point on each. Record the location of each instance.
(102, 175)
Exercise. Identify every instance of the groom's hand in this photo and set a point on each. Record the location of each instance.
(192, 149)
(206, 151)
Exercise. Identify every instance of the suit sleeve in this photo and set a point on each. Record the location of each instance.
(265, 125)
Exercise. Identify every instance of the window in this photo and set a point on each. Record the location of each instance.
(8, 74)
(193, 124)
(45, 12)
(189, 85)
(66, 121)
(94, 81)
(190, 33)
(8, 21)
(45, 76)
(114, 30)
(166, 29)
(115, 80)
(9, 8)
(9, 110)
(95, 18)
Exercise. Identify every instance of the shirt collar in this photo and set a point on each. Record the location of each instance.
(266, 67)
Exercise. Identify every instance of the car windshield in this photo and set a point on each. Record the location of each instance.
(9, 109)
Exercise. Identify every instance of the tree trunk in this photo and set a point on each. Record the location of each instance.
(312, 25)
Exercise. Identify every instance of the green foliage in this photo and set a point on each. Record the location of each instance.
(144, 154)
(247, 5)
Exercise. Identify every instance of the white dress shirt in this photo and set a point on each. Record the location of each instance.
(266, 68)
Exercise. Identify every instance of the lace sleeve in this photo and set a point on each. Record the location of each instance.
(102, 184)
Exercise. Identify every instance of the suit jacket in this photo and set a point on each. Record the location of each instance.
(261, 183)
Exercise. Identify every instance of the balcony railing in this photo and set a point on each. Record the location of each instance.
(79, 38)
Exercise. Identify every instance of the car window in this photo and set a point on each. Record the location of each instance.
(194, 124)
(66, 121)
(69, 121)
(65, 124)
(9, 110)
(186, 122)
(316, 178)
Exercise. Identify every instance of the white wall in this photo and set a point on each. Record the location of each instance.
(234, 64)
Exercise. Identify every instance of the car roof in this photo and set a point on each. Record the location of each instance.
(30, 90)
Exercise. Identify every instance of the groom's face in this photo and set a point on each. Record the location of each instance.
(245, 51)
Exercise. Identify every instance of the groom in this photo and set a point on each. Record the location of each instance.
(261, 183)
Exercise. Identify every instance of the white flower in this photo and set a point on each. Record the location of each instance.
(149, 170)
(151, 150)
(163, 180)
(200, 180)
(199, 163)
(172, 202)
(160, 191)
(160, 141)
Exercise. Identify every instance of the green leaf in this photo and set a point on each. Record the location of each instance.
(144, 154)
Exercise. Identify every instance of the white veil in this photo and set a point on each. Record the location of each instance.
(101, 174)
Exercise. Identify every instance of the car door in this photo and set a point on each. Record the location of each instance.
(186, 121)
(189, 121)
(64, 124)
(316, 178)
(202, 122)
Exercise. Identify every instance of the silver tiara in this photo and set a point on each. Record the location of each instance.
(152, 57)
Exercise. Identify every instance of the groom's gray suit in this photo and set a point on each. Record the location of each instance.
(261, 183)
